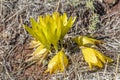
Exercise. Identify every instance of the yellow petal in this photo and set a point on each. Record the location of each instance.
(58, 63)
(86, 41)
(67, 25)
(108, 59)
(102, 57)
(34, 43)
(38, 54)
(63, 61)
(90, 57)
(94, 57)
(39, 51)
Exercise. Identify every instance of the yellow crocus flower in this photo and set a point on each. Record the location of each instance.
(94, 58)
(50, 29)
(58, 63)
(86, 41)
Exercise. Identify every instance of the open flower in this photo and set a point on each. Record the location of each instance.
(94, 58)
(50, 29)
(58, 63)
(86, 41)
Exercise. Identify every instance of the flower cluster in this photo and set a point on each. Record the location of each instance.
(92, 56)
(48, 31)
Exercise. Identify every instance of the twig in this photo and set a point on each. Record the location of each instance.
(13, 15)
(17, 13)
(59, 5)
(1, 9)
(6, 70)
(117, 65)
(109, 15)
(105, 69)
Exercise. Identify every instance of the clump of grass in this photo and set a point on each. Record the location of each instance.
(89, 4)
(94, 20)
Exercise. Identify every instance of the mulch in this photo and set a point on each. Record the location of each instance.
(14, 40)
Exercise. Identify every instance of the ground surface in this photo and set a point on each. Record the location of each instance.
(14, 39)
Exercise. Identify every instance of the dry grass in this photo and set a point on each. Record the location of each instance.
(14, 41)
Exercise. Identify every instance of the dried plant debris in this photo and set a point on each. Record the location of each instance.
(14, 40)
